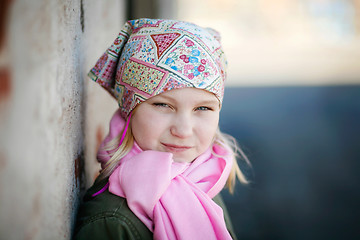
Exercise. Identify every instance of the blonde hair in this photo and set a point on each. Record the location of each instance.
(117, 152)
(236, 154)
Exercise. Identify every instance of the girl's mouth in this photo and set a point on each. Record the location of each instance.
(175, 148)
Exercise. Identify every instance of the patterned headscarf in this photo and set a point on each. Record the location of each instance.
(151, 56)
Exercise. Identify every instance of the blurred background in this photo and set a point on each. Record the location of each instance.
(292, 101)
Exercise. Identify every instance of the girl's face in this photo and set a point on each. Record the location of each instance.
(181, 121)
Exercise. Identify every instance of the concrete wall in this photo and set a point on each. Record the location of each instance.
(49, 110)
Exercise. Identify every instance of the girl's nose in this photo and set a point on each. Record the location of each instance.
(181, 126)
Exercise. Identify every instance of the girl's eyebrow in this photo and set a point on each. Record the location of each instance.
(208, 102)
(200, 102)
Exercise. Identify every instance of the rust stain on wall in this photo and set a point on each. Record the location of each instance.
(5, 83)
(99, 136)
(79, 170)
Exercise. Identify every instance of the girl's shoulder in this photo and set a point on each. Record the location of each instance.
(107, 216)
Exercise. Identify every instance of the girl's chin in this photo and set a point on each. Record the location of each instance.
(182, 160)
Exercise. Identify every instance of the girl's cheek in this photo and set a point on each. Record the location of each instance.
(206, 127)
(210, 121)
(210, 128)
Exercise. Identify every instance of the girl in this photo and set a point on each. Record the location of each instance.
(164, 160)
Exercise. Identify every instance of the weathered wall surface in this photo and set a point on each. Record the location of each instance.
(103, 23)
(49, 110)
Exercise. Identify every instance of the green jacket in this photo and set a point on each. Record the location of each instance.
(107, 216)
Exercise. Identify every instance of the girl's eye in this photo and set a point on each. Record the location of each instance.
(160, 105)
(203, 108)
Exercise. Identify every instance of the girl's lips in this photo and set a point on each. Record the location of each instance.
(175, 148)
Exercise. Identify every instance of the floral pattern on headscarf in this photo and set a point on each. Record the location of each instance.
(150, 56)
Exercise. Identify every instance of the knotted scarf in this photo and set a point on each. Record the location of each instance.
(174, 200)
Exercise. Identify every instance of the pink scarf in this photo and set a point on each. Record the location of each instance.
(174, 200)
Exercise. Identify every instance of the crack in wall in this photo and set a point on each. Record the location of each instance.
(82, 15)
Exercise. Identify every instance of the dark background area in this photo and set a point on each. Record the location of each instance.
(304, 147)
